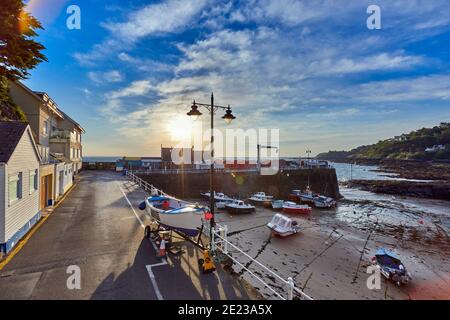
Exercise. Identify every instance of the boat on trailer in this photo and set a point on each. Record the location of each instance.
(292, 207)
(283, 226)
(175, 214)
(260, 198)
(391, 267)
(239, 206)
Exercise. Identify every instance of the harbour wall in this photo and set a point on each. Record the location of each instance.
(242, 184)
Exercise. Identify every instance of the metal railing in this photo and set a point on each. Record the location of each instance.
(219, 242)
(227, 170)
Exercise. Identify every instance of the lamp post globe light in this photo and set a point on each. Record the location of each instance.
(228, 117)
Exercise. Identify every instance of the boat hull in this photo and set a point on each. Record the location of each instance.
(188, 223)
(239, 210)
(297, 210)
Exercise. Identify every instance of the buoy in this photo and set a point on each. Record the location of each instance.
(162, 248)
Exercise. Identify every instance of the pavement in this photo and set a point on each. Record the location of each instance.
(100, 230)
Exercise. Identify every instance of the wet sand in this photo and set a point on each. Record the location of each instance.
(329, 257)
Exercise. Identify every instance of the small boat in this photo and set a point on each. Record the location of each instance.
(218, 196)
(391, 267)
(277, 204)
(307, 195)
(292, 207)
(175, 214)
(260, 198)
(294, 196)
(239, 206)
(283, 226)
(221, 204)
(324, 202)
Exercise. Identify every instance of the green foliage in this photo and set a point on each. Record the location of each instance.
(9, 110)
(18, 51)
(405, 147)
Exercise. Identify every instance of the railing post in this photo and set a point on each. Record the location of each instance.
(225, 239)
(213, 245)
(290, 283)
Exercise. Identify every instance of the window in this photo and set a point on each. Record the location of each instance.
(33, 181)
(15, 187)
(45, 127)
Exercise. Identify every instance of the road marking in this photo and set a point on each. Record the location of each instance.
(131, 206)
(153, 279)
(150, 266)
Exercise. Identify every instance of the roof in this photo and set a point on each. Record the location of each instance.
(11, 132)
(73, 121)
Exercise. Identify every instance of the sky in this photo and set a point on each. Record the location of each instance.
(311, 69)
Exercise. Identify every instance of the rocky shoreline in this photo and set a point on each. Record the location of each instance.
(431, 190)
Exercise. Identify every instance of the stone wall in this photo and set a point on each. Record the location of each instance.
(241, 184)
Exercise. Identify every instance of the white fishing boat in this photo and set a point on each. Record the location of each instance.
(277, 204)
(324, 202)
(176, 214)
(292, 207)
(260, 198)
(221, 204)
(218, 196)
(283, 226)
(239, 206)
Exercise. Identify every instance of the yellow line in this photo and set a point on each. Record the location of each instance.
(30, 233)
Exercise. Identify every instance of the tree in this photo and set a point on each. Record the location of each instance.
(18, 50)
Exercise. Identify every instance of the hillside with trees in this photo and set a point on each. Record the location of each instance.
(423, 144)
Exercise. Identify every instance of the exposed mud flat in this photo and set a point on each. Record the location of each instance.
(330, 256)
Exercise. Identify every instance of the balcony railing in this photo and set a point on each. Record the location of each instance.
(60, 134)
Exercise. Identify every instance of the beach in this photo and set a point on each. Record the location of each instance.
(329, 257)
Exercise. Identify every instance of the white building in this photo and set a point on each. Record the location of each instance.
(19, 183)
(435, 148)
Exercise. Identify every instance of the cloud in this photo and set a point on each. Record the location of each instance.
(165, 17)
(308, 67)
(154, 19)
(111, 76)
(135, 89)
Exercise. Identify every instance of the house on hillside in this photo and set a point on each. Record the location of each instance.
(435, 148)
(19, 183)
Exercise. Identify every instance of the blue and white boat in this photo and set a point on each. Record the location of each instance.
(176, 214)
(391, 267)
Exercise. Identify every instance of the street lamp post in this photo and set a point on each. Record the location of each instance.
(228, 117)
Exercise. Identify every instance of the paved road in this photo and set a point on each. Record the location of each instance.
(96, 229)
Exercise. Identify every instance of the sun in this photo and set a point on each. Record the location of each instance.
(180, 128)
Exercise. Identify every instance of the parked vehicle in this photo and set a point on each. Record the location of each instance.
(391, 267)
(283, 226)
(292, 207)
(239, 206)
